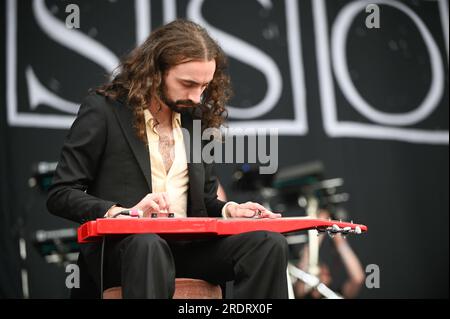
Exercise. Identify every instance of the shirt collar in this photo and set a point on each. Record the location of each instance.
(148, 117)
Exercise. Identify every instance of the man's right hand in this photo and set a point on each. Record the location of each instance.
(154, 203)
(151, 203)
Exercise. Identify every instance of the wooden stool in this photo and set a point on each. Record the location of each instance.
(185, 288)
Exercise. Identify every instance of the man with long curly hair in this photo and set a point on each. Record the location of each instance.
(126, 150)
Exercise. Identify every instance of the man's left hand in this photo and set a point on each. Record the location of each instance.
(250, 210)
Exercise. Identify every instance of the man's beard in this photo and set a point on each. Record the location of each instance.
(180, 106)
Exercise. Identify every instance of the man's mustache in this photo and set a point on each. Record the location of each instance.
(187, 103)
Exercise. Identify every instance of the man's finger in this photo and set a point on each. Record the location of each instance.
(262, 209)
(268, 214)
(159, 198)
(245, 212)
(167, 200)
(254, 206)
(150, 206)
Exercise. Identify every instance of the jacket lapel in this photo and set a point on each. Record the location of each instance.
(140, 150)
(195, 171)
(196, 206)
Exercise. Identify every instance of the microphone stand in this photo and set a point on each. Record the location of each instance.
(313, 282)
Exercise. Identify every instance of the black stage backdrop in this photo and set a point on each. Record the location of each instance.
(370, 103)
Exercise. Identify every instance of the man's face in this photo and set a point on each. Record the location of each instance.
(185, 83)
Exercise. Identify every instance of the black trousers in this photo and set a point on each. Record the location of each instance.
(145, 265)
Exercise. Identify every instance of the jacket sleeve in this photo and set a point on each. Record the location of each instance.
(80, 157)
(213, 204)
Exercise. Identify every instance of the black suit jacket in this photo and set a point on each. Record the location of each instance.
(103, 163)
